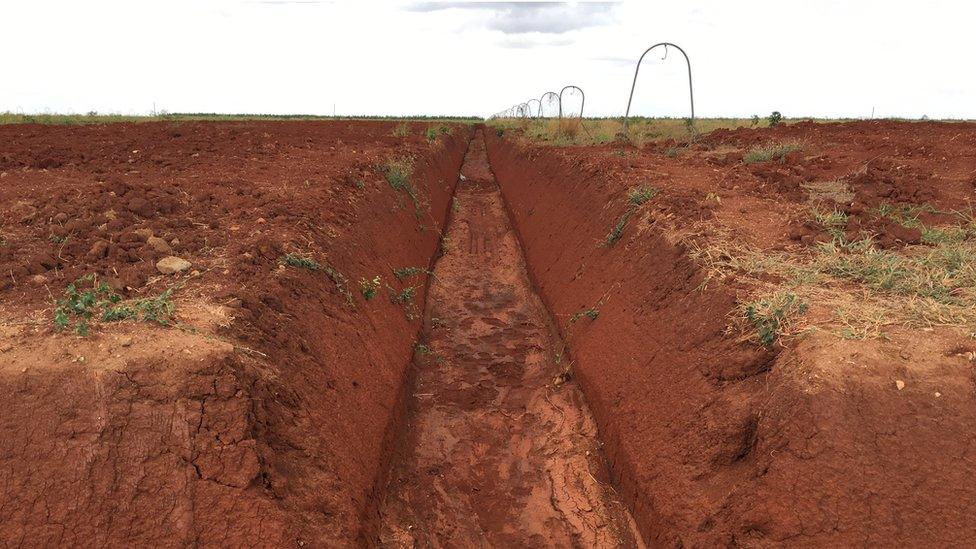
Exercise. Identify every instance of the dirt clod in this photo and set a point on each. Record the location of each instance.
(172, 264)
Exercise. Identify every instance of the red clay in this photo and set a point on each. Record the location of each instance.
(712, 441)
(271, 417)
(143, 435)
(500, 450)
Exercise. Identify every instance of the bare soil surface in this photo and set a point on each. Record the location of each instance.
(852, 428)
(500, 449)
(281, 404)
(261, 413)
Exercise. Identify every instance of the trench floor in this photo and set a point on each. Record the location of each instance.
(500, 449)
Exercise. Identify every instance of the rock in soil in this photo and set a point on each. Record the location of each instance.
(172, 264)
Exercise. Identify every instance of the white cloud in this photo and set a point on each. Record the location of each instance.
(824, 58)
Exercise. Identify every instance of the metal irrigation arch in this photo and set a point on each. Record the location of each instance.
(543, 98)
(582, 104)
(691, 92)
(530, 101)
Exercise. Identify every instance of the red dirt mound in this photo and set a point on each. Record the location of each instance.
(713, 441)
(266, 418)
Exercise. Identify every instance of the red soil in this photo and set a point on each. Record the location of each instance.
(711, 440)
(500, 450)
(270, 417)
(165, 437)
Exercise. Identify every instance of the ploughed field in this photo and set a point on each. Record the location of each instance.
(333, 334)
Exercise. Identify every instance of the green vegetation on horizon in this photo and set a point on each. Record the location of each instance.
(97, 118)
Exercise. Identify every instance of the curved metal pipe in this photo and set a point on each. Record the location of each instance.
(582, 104)
(530, 101)
(541, 99)
(691, 91)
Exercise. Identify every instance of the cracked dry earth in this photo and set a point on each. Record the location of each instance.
(500, 449)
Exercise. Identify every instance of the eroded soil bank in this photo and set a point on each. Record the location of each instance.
(712, 440)
(263, 417)
(500, 449)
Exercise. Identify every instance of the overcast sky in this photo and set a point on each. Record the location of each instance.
(825, 58)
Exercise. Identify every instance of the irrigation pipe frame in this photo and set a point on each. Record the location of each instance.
(691, 92)
(582, 104)
(541, 99)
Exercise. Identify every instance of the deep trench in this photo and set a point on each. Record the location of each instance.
(499, 448)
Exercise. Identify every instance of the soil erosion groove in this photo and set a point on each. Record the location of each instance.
(500, 448)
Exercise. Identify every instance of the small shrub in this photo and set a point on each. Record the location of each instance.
(370, 287)
(431, 134)
(774, 119)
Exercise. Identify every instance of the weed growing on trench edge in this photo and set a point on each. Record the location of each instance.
(767, 153)
(833, 221)
(641, 194)
(401, 130)
(618, 230)
(855, 288)
(635, 198)
(398, 171)
(455, 205)
(295, 260)
(86, 298)
(591, 313)
(405, 297)
(406, 272)
(446, 245)
(772, 315)
(340, 281)
(370, 287)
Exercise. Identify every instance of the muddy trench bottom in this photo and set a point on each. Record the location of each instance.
(498, 450)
